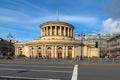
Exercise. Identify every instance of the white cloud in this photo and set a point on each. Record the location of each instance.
(25, 19)
(79, 19)
(111, 26)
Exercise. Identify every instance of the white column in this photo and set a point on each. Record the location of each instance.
(55, 51)
(55, 30)
(68, 32)
(44, 31)
(66, 51)
(71, 32)
(47, 30)
(52, 52)
(60, 30)
(64, 31)
(63, 52)
(51, 30)
(44, 50)
(73, 52)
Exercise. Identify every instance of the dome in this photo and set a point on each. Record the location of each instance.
(57, 23)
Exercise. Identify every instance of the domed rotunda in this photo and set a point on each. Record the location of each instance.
(56, 41)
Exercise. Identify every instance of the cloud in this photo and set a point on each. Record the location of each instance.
(22, 18)
(79, 19)
(111, 26)
(12, 12)
(112, 8)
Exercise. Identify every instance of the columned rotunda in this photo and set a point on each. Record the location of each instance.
(57, 29)
(56, 41)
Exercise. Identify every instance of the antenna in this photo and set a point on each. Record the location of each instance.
(57, 19)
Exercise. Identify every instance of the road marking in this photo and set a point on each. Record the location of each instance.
(35, 70)
(37, 66)
(75, 73)
(26, 78)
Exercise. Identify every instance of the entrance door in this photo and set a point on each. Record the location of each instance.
(39, 52)
(69, 52)
(59, 52)
(49, 53)
(59, 55)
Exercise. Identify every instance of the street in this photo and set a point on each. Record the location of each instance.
(36, 72)
(46, 71)
(99, 72)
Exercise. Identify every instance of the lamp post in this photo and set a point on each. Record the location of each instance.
(99, 43)
(10, 51)
(82, 38)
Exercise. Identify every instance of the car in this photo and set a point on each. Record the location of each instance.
(2, 57)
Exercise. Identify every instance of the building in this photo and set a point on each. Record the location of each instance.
(56, 41)
(100, 39)
(114, 46)
(6, 47)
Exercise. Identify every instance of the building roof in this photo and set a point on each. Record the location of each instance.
(113, 38)
(56, 22)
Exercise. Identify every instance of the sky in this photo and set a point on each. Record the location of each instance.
(22, 18)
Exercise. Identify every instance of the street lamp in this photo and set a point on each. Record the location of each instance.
(82, 39)
(100, 45)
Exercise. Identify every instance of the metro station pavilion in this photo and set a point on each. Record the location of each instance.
(56, 41)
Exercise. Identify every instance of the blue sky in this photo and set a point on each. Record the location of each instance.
(22, 18)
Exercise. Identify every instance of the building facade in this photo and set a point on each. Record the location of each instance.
(56, 41)
(114, 46)
(100, 39)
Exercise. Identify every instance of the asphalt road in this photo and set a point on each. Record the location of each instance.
(36, 72)
(13, 71)
(99, 72)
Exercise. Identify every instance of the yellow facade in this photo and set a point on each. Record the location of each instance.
(56, 42)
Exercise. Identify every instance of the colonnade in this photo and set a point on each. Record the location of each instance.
(43, 49)
(57, 30)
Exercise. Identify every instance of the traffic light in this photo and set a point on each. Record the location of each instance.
(96, 44)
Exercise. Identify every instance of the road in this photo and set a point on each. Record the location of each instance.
(31, 71)
(36, 72)
(99, 72)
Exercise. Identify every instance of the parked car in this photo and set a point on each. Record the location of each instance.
(2, 57)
